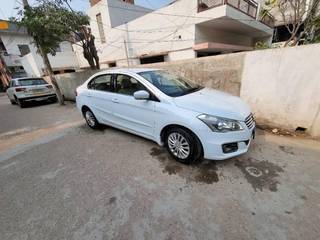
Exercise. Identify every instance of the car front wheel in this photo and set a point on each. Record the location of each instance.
(183, 145)
(90, 119)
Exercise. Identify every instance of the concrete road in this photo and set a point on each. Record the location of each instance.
(61, 180)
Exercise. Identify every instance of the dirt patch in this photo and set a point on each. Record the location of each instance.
(260, 174)
(112, 200)
(206, 172)
(172, 169)
(201, 172)
(288, 150)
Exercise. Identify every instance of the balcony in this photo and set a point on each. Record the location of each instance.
(267, 18)
(248, 7)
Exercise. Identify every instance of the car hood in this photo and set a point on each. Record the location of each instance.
(214, 103)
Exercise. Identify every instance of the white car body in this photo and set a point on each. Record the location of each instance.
(148, 118)
(19, 94)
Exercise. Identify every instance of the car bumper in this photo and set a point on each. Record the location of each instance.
(39, 97)
(221, 146)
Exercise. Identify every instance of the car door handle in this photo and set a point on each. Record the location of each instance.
(115, 100)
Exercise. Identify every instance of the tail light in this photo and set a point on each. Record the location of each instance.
(49, 86)
(20, 89)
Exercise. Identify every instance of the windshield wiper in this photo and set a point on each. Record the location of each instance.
(191, 90)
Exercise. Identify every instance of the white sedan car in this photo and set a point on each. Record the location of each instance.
(22, 90)
(189, 120)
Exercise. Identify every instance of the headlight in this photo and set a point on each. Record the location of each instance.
(218, 124)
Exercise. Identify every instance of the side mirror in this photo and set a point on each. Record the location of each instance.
(141, 95)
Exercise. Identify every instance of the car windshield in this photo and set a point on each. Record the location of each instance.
(171, 85)
(32, 81)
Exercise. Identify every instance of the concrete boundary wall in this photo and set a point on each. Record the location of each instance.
(68, 82)
(282, 86)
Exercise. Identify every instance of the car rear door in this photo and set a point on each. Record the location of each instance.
(99, 95)
(131, 114)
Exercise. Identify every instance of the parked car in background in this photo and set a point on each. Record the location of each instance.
(190, 120)
(23, 90)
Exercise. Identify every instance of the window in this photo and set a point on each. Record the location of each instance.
(154, 59)
(3, 48)
(32, 81)
(171, 85)
(12, 84)
(112, 64)
(100, 27)
(101, 83)
(128, 85)
(24, 49)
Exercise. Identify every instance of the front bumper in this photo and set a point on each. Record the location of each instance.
(39, 97)
(213, 143)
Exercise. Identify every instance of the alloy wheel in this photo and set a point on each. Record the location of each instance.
(178, 145)
(90, 118)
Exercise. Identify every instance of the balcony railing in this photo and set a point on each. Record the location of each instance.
(267, 19)
(248, 7)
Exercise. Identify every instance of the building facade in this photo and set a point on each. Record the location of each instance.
(127, 34)
(20, 56)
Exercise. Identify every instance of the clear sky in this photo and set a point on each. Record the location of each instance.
(7, 7)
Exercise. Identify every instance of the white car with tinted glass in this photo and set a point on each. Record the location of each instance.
(23, 90)
(189, 120)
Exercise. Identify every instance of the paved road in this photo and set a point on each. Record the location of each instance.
(61, 180)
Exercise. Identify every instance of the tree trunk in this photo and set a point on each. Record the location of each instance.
(51, 75)
(89, 58)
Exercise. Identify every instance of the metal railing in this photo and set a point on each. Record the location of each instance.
(267, 19)
(248, 7)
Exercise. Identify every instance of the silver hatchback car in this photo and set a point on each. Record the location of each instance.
(22, 90)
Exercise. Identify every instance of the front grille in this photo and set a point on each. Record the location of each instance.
(249, 121)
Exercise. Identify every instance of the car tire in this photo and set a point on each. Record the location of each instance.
(183, 145)
(21, 103)
(13, 102)
(90, 119)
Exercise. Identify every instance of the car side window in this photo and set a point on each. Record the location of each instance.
(127, 85)
(102, 83)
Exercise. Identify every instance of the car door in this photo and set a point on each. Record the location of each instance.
(132, 114)
(99, 96)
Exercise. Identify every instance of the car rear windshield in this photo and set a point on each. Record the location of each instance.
(32, 81)
(170, 84)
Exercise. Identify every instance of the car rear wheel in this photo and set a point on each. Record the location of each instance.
(182, 145)
(20, 102)
(90, 119)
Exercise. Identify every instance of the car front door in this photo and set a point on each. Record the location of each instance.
(132, 114)
(99, 94)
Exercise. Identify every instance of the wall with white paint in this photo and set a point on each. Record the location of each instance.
(32, 62)
(157, 33)
(282, 86)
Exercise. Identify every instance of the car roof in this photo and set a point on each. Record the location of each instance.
(128, 70)
(25, 78)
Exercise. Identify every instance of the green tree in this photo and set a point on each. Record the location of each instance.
(50, 23)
